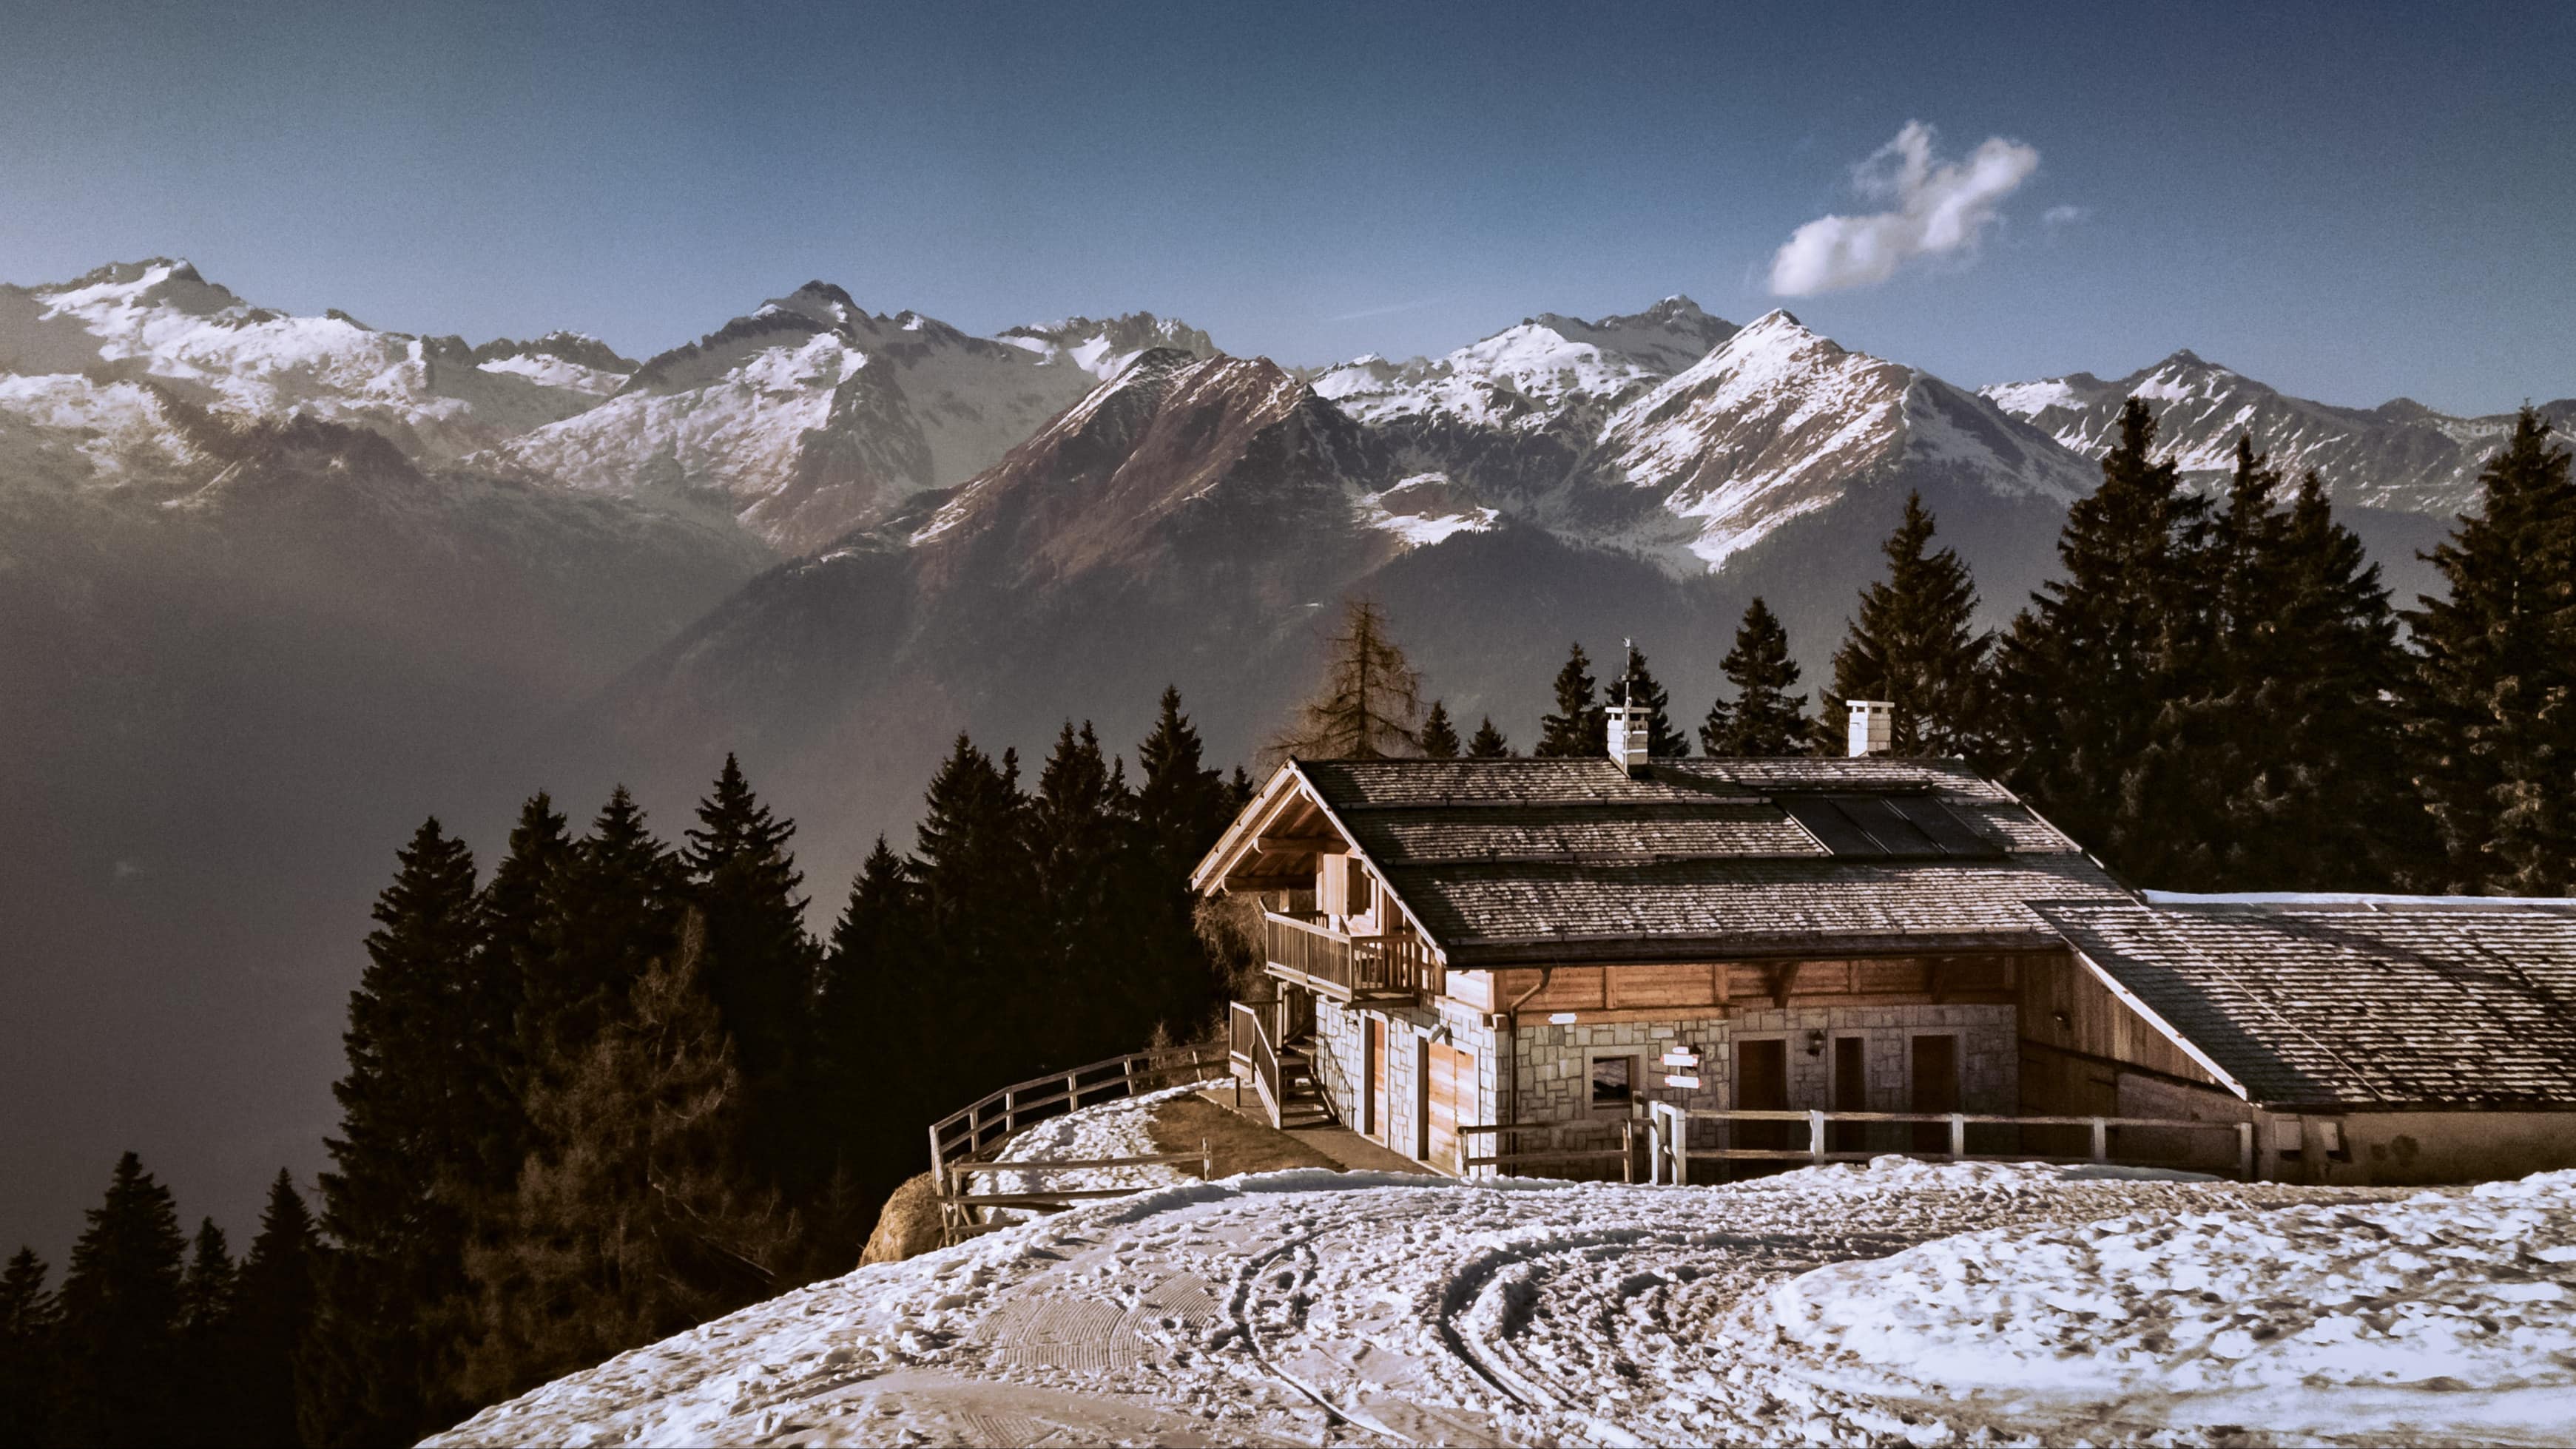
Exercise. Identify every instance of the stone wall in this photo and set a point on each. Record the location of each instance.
(1554, 1062)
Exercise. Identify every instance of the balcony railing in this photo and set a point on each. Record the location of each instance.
(1344, 966)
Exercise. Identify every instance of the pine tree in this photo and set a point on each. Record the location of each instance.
(1083, 978)
(632, 1220)
(1663, 742)
(2276, 763)
(1765, 717)
(613, 906)
(2090, 671)
(1368, 702)
(1439, 736)
(759, 967)
(2492, 707)
(1914, 643)
(409, 1135)
(874, 1037)
(205, 1380)
(119, 1317)
(1181, 976)
(971, 864)
(1580, 727)
(206, 1285)
(1181, 804)
(1488, 743)
(517, 909)
(274, 1306)
(27, 1353)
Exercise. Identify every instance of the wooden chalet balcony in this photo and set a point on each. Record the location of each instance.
(1345, 967)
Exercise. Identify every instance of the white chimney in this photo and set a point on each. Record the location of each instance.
(1873, 727)
(1628, 736)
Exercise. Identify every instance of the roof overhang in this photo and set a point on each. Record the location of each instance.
(1287, 799)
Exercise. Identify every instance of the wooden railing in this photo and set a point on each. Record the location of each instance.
(1669, 1153)
(1509, 1153)
(1250, 1053)
(1348, 967)
(959, 1202)
(975, 1131)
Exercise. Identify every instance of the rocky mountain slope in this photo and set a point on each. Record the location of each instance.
(2400, 456)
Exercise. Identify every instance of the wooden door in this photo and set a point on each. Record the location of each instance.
(1761, 1085)
(1453, 1093)
(1851, 1094)
(1934, 1087)
(1380, 1123)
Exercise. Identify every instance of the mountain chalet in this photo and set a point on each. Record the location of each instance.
(1532, 964)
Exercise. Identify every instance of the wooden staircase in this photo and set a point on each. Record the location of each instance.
(1301, 1097)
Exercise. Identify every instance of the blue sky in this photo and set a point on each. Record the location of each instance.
(2351, 202)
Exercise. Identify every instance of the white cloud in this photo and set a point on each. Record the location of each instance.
(2057, 216)
(1940, 208)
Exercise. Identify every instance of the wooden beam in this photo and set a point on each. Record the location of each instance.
(1783, 976)
(1298, 844)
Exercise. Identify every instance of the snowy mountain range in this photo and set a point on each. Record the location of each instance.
(2400, 455)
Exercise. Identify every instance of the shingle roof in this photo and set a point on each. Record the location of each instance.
(2397, 1004)
(1559, 860)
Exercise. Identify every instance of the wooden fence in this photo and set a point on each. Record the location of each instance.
(1508, 1154)
(975, 1131)
(1669, 1153)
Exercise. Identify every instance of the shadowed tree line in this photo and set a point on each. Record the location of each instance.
(616, 1089)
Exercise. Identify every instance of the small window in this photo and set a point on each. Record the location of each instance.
(1614, 1082)
(1363, 893)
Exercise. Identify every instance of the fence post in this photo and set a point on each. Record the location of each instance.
(1628, 1148)
(1072, 1098)
(2101, 1141)
(1654, 1147)
(1815, 1137)
(1681, 1149)
(1010, 1112)
(1127, 1068)
(1958, 1136)
(2245, 1151)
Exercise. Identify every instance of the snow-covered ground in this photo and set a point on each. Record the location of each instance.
(1897, 1301)
(2440, 1316)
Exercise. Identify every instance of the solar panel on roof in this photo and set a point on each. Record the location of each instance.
(1894, 833)
(1887, 827)
(1833, 829)
(1954, 835)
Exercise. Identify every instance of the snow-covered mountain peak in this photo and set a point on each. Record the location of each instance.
(1779, 421)
(160, 320)
(1532, 374)
(158, 283)
(1104, 347)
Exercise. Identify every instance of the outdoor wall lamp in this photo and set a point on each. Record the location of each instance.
(1815, 1043)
